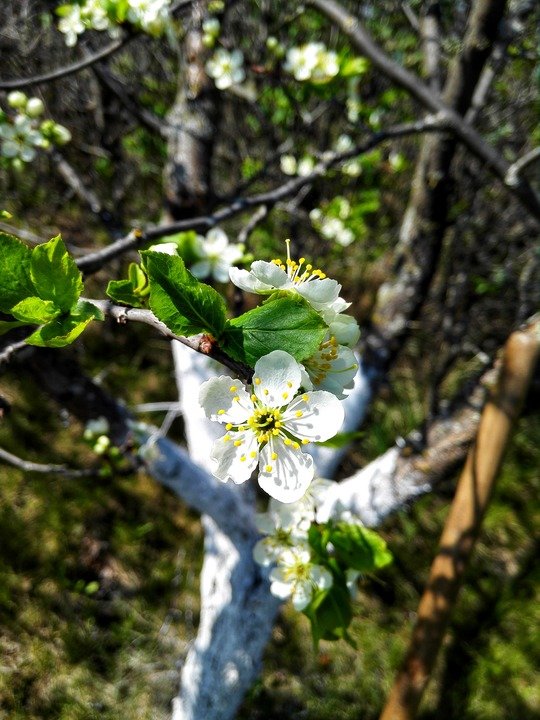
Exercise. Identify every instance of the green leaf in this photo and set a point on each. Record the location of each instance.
(132, 291)
(342, 439)
(287, 323)
(65, 330)
(35, 310)
(354, 66)
(330, 613)
(7, 325)
(55, 275)
(359, 548)
(185, 305)
(15, 284)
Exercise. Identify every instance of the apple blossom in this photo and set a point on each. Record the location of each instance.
(217, 255)
(297, 577)
(269, 426)
(265, 278)
(226, 68)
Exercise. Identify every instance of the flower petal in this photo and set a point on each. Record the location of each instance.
(303, 592)
(321, 577)
(248, 282)
(321, 416)
(319, 293)
(284, 473)
(216, 241)
(201, 269)
(235, 462)
(270, 274)
(276, 379)
(217, 398)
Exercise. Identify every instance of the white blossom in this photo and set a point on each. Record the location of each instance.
(288, 164)
(226, 68)
(343, 328)
(285, 526)
(269, 427)
(20, 139)
(265, 278)
(298, 578)
(333, 368)
(217, 255)
(313, 62)
(72, 25)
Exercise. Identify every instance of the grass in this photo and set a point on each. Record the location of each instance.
(99, 595)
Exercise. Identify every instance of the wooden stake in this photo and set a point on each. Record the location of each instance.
(462, 526)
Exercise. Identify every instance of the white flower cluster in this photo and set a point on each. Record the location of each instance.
(289, 404)
(96, 433)
(333, 367)
(332, 227)
(286, 546)
(150, 16)
(22, 134)
(211, 28)
(216, 255)
(312, 62)
(226, 68)
(303, 167)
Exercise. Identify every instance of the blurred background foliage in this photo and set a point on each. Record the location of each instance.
(99, 577)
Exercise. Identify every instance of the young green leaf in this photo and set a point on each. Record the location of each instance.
(64, 330)
(185, 305)
(287, 323)
(35, 310)
(330, 613)
(358, 547)
(55, 275)
(15, 284)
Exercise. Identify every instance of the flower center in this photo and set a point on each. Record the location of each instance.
(321, 363)
(265, 422)
(298, 272)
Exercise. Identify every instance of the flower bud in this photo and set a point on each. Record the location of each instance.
(34, 107)
(17, 99)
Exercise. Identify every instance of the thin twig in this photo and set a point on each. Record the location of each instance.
(18, 83)
(364, 43)
(29, 466)
(137, 238)
(512, 176)
(200, 343)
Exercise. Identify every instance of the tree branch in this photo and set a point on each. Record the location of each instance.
(29, 466)
(363, 42)
(137, 238)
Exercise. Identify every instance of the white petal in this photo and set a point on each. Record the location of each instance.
(279, 376)
(265, 553)
(322, 416)
(270, 274)
(220, 271)
(321, 577)
(345, 329)
(303, 592)
(279, 588)
(264, 522)
(248, 282)
(235, 462)
(319, 292)
(218, 394)
(201, 269)
(216, 240)
(290, 471)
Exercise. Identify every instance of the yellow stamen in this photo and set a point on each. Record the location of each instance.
(221, 412)
(274, 456)
(298, 413)
(233, 388)
(257, 381)
(268, 468)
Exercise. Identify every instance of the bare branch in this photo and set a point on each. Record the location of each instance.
(29, 466)
(431, 39)
(137, 238)
(512, 176)
(360, 38)
(199, 343)
(62, 72)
